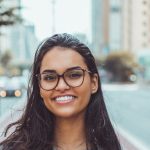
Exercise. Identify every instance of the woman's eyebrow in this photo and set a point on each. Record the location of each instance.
(75, 67)
(54, 71)
(48, 71)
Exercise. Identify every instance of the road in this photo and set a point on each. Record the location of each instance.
(128, 107)
(8, 104)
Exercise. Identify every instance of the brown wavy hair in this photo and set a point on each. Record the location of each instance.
(35, 129)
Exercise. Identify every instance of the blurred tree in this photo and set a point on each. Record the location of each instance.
(99, 60)
(8, 15)
(122, 65)
(5, 58)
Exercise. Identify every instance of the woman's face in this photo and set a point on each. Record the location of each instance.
(66, 101)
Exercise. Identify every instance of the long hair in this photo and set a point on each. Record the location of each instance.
(35, 129)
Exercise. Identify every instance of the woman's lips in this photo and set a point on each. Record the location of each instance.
(64, 99)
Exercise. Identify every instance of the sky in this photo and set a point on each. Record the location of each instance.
(70, 16)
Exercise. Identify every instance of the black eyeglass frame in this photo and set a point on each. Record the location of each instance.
(62, 76)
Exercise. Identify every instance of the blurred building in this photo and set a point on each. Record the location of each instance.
(19, 39)
(136, 31)
(96, 26)
(106, 26)
(22, 43)
(136, 24)
(120, 25)
(115, 25)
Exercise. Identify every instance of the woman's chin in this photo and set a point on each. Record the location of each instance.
(67, 114)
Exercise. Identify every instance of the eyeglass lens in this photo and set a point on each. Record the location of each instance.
(73, 78)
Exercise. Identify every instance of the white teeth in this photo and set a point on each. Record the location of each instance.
(64, 98)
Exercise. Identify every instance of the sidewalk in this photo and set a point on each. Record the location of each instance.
(128, 142)
(120, 87)
(10, 117)
(126, 145)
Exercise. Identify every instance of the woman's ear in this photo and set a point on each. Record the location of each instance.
(94, 83)
(41, 95)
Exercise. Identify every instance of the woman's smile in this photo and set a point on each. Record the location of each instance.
(64, 100)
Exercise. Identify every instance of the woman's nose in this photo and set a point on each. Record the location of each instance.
(62, 85)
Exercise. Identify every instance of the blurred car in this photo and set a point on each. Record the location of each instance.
(10, 88)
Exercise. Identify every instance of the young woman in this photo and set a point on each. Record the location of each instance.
(65, 108)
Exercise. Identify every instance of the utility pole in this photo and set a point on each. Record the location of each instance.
(53, 2)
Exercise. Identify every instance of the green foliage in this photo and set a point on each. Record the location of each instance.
(8, 15)
(121, 64)
(5, 58)
(100, 60)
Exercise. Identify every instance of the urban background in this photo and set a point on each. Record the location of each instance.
(118, 34)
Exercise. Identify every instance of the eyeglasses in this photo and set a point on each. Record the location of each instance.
(72, 77)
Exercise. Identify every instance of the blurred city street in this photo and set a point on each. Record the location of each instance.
(128, 106)
(116, 32)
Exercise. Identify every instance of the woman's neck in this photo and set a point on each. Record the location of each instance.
(70, 133)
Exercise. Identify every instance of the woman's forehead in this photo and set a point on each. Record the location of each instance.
(62, 58)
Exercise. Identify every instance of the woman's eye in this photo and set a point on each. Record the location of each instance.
(75, 75)
(49, 78)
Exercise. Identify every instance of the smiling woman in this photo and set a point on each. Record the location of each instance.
(65, 109)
